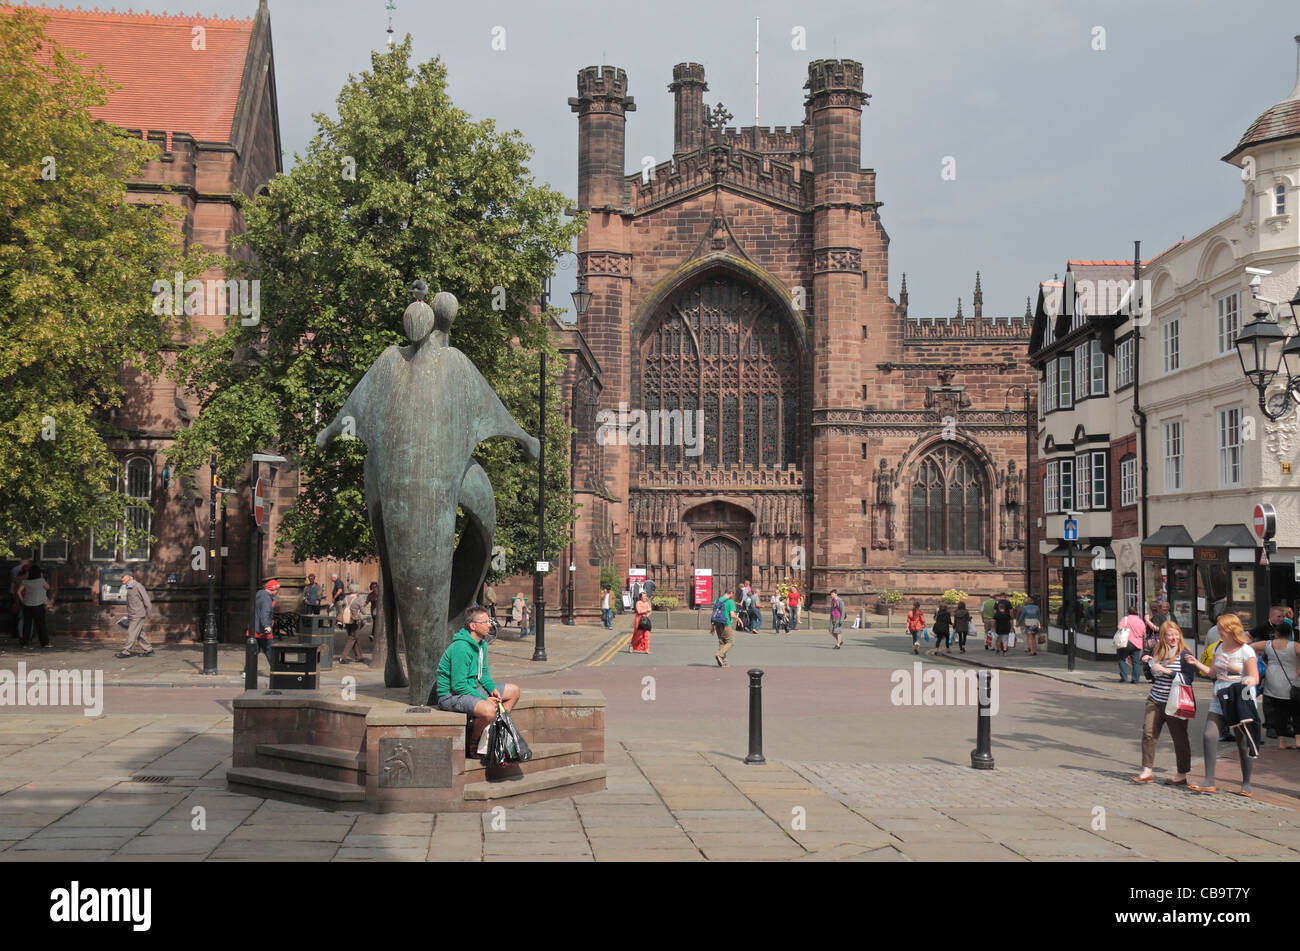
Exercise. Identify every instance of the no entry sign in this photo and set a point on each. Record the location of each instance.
(1265, 520)
(259, 504)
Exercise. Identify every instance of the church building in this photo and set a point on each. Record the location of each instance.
(748, 397)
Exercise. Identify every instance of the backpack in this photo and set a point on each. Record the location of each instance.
(719, 615)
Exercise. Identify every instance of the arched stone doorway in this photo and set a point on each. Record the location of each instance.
(721, 534)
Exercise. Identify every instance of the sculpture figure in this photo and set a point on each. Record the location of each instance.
(421, 410)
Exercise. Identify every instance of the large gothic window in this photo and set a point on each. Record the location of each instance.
(722, 347)
(948, 499)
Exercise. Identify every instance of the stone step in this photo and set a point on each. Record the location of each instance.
(546, 779)
(311, 786)
(545, 756)
(309, 759)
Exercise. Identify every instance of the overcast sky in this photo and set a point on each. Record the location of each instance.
(1062, 151)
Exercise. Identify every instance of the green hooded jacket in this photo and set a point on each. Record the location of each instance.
(463, 665)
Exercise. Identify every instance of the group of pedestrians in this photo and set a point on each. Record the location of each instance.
(30, 594)
(1000, 619)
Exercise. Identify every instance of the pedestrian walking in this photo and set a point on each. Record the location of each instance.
(34, 593)
(312, 595)
(755, 610)
(1155, 620)
(517, 612)
(723, 620)
(1002, 622)
(264, 619)
(780, 620)
(640, 643)
(1173, 664)
(837, 619)
(490, 600)
(607, 608)
(987, 611)
(943, 629)
(1235, 666)
(961, 621)
(915, 624)
(1280, 684)
(793, 599)
(351, 615)
(17, 575)
(529, 619)
(139, 608)
(1131, 649)
(1031, 620)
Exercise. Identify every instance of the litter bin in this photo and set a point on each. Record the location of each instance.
(319, 629)
(293, 665)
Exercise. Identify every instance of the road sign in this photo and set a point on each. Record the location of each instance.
(1071, 530)
(1265, 520)
(543, 566)
(259, 504)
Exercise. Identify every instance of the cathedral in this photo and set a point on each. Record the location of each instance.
(803, 426)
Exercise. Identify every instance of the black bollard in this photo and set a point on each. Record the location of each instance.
(980, 757)
(250, 664)
(755, 717)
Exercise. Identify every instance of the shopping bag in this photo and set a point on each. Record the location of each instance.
(505, 744)
(1182, 702)
(485, 741)
(1011, 640)
(925, 632)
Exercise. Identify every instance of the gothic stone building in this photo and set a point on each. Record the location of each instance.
(845, 445)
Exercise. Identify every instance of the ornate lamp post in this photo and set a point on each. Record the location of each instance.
(581, 301)
(1265, 350)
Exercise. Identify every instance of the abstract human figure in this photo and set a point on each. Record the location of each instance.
(397, 762)
(421, 410)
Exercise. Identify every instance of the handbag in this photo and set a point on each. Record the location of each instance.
(1042, 638)
(1182, 699)
(1120, 640)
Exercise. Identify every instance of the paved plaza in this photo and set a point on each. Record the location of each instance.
(850, 774)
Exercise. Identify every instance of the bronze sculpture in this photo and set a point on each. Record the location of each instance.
(421, 410)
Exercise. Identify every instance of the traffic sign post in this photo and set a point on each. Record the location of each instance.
(1264, 520)
(1069, 587)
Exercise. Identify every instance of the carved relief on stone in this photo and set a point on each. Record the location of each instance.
(837, 259)
(1280, 437)
(882, 513)
(607, 264)
(1010, 511)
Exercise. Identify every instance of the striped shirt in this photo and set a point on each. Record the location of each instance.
(1163, 682)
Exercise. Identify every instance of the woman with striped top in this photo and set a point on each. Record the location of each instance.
(1171, 662)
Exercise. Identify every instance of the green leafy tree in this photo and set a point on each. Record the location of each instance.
(77, 266)
(402, 185)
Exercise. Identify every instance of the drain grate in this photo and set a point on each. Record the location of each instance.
(151, 779)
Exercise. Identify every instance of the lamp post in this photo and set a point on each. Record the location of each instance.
(581, 301)
(1265, 350)
(1029, 443)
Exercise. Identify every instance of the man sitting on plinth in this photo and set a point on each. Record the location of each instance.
(464, 683)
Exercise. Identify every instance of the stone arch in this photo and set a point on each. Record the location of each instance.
(1162, 287)
(949, 501)
(1216, 259)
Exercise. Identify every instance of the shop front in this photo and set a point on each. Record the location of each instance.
(1231, 578)
(1169, 574)
(1096, 613)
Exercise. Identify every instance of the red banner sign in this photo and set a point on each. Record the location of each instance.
(704, 586)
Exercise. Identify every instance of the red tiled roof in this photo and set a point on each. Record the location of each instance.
(167, 85)
(1101, 263)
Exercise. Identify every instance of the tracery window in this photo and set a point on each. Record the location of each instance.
(721, 347)
(948, 499)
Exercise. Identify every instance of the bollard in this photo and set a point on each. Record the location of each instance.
(755, 717)
(250, 664)
(980, 757)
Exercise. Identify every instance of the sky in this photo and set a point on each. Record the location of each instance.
(1074, 127)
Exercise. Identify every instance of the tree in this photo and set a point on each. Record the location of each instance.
(402, 185)
(77, 266)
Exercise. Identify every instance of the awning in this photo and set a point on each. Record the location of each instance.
(1084, 555)
(1229, 536)
(1169, 535)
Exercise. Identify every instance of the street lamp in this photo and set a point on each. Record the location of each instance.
(581, 301)
(1029, 441)
(1265, 350)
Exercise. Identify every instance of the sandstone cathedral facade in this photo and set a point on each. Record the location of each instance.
(843, 444)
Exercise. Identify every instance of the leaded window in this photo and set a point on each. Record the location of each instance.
(723, 348)
(948, 499)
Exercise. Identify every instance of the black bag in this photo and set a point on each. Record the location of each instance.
(504, 744)
(644, 622)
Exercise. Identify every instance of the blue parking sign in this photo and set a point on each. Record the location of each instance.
(1071, 530)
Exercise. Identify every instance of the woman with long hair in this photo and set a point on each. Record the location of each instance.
(961, 624)
(915, 624)
(1233, 662)
(1172, 664)
(1280, 710)
(641, 633)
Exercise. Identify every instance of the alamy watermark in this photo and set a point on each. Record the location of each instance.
(83, 904)
(919, 687)
(214, 297)
(54, 688)
(638, 427)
